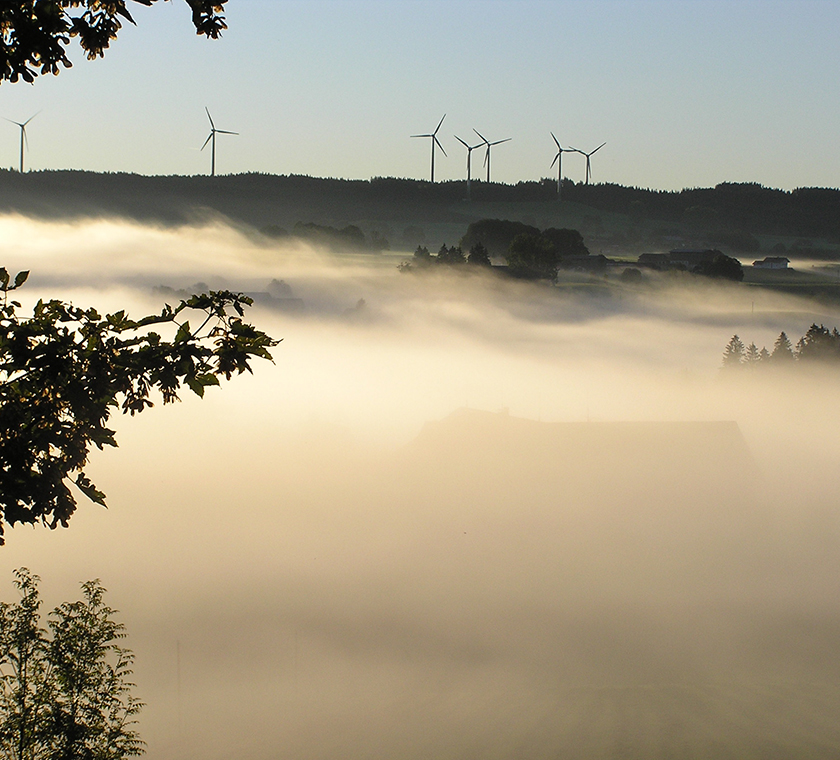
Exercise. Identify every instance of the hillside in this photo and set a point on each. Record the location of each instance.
(745, 218)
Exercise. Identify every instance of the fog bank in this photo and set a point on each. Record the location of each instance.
(467, 516)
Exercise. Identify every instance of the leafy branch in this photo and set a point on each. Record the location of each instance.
(34, 34)
(65, 369)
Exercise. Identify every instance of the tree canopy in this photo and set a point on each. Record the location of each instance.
(35, 34)
(65, 692)
(495, 235)
(722, 267)
(532, 257)
(65, 369)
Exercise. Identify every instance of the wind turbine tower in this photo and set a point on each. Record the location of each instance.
(435, 142)
(470, 149)
(24, 140)
(211, 138)
(558, 159)
(487, 152)
(588, 156)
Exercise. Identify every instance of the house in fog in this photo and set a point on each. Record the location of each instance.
(772, 262)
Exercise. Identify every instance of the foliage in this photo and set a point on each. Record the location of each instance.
(35, 33)
(495, 234)
(446, 256)
(65, 695)
(65, 369)
(24, 689)
(803, 213)
(566, 242)
(349, 237)
(733, 354)
(818, 345)
(479, 256)
(631, 275)
(453, 255)
(532, 257)
(92, 710)
(723, 267)
(752, 355)
(738, 240)
(782, 350)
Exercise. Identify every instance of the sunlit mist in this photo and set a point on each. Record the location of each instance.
(460, 515)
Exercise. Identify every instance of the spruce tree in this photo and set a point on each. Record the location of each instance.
(782, 350)
(733, 354)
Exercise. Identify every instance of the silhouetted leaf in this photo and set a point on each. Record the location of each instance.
(65, 369)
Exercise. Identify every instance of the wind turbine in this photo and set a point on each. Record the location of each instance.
(487, 152)
(435, 141)
(470, 149)
(588, 155)
(558, 159)
(211, 138)
(24, 140)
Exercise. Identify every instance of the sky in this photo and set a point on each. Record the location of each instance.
(685, 93)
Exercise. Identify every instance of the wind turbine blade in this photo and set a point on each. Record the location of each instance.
(576, 150)
(25, 138)
(555, 160)
(499, 142)
(439, 145)
(225, 132)
(557, 142)
(212, 125)
(13, 122)
(462, 142)
(30, 119)
(483, 138)
(421, 135)
(206, 141)
(598, 148)
(438, 126)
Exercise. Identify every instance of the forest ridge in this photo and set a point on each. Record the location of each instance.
(262, 199)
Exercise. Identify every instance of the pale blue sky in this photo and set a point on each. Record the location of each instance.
(685, 92)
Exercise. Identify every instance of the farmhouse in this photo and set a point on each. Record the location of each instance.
(772, 262)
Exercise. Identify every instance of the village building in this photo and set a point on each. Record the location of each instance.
(772, 262)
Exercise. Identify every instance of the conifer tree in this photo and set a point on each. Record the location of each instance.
(782, 350)
(752, 355)
(479, 255)
(733, 354)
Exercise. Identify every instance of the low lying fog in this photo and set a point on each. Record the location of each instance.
(459, 516)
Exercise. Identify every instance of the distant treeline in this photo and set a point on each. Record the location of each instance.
(350, 237)
(818, 345)
(742, 208)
